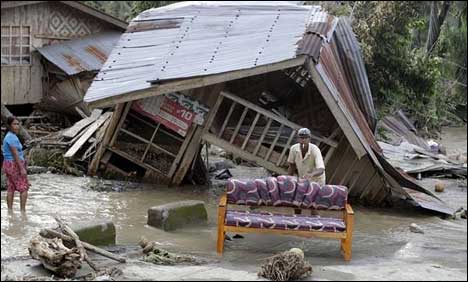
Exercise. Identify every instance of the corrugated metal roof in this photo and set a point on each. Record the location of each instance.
(84, 54)
(353, 64)
(192, 39)
(332, 73)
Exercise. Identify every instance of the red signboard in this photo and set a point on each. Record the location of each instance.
(170, 114)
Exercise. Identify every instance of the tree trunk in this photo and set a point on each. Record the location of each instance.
(23, 134)
(436, 21)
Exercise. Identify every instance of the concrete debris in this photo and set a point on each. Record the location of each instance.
(415, 228)
(178, 214)
(439, 187)
(415, 160)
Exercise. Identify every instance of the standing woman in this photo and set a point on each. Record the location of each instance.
(14, 164)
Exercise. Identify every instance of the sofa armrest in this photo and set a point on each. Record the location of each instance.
(223, 201)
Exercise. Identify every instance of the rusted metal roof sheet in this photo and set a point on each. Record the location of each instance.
(332, 72)
(355, 70)
(320, 29)
(84, 54)
(191, 39)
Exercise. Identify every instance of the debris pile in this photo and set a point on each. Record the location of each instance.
(161, 257)
(70, 150)
(286, 266)
(62, 252)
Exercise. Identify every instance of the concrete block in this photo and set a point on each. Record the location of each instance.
(178, 214)
(99, 233)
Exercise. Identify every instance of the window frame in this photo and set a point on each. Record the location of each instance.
(25, 59)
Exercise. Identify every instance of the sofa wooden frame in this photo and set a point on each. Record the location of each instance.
(346, 237)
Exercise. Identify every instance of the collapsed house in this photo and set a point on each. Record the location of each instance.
(51, 51)
(244, 76)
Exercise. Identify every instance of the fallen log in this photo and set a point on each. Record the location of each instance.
(78, 243)
(54, 256)
(48, 233)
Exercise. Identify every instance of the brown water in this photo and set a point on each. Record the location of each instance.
(383, 247)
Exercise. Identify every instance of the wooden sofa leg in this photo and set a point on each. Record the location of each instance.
(220, 244)
(347, 244)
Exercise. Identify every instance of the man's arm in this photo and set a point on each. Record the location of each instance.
(292, 169)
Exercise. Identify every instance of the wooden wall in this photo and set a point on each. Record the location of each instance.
(363, 179)
(50, 23)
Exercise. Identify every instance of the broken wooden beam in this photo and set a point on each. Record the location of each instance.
(89, 132)
(82, 124)
(49, 233)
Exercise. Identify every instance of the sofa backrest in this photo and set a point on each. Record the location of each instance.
(286, 191)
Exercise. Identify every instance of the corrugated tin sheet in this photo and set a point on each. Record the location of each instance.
(333, 74)
(84, 54)
(353, 64)
(400, 124)
(201, 38)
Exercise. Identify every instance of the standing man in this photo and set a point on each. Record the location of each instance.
(306, 159)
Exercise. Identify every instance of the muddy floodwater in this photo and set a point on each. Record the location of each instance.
(383, 246)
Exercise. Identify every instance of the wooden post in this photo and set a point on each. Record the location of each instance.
(194, 145)
(94, 166)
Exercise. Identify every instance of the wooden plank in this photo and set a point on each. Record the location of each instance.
(286, 148)
(151, 141)
(265, 131)
(226, 120)
(182, 150)
(135, 160)
(213, 113)
(121, 122)
(213, 139)
(300, 233)
(275, 117)
(94, 165)
(239, 124)
(329, 155)
(188, 157)
(369, 186)
(192, 83)
(89, 132)
(340, 165)
(193, 148)
(348, 172)
(80, 125)
(342, 119)
(252, 127)
(272, 147)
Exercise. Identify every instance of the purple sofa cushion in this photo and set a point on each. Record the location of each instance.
(265, 220)
(242, 192)
(332, 197)
(286, 191)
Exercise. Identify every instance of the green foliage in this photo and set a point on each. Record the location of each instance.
(126, 10)
(401, 74)
(141, 6)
